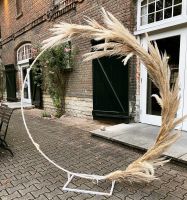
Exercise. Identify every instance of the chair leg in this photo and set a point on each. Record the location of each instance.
(4, 145)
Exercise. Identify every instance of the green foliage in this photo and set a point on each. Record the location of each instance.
(46, 114)
(37, 74)
(56, 62)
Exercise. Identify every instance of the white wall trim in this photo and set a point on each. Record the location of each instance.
(165, 24)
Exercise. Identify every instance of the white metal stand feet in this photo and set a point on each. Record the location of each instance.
(90, 177)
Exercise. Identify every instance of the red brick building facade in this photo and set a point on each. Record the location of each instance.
(28, 22)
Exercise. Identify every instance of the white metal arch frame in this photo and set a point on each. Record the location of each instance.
(70, 175)
(142, 169)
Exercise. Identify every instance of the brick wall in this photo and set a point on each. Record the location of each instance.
(31, 10)
(80, 81)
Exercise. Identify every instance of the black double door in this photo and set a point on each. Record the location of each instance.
(10, 73)
(110, 88)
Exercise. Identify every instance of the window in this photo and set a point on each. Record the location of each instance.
(62, 3)
(0, 43)
(158, 10)
(19, 7)
(56, 2)
(24, 52)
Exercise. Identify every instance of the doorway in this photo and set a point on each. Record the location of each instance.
(10, 73)
(174, 44)
(27, 86)
(110, 88)
(170, 45)
(24, 54)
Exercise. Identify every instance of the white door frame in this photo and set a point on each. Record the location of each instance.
(153, 119)
(184, 111)
(21, 67)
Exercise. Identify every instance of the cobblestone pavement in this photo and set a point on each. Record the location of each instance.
(29, 176)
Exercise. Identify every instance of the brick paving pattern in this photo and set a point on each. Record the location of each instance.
(29, 176)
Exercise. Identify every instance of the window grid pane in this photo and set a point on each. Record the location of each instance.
(64, 3)
(158, 10)
(144, 10)
(177, 2)
(177, 10)
(144, 2)
(56, 2)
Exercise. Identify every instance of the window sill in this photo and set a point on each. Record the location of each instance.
(161, 25)
(19, 15)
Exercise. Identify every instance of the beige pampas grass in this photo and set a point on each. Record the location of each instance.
(119, 41)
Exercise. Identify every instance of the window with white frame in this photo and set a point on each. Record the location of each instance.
(157, 10)
(56, 2)
(24, 52)
(62, 3)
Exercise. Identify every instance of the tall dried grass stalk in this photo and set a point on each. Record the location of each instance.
(119, 41)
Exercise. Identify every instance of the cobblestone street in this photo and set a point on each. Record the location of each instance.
(29, 176)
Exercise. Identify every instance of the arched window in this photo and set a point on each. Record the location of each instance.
(24, 52)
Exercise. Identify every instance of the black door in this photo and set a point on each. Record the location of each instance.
(10, 72)
(35, 83)
(110, 88)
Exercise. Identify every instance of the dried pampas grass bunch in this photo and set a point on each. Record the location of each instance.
(120, 42)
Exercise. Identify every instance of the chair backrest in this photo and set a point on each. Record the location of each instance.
(5, 121)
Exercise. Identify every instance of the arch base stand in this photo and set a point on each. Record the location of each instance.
(90, 177)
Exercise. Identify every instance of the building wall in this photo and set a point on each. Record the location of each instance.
(79, 91)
